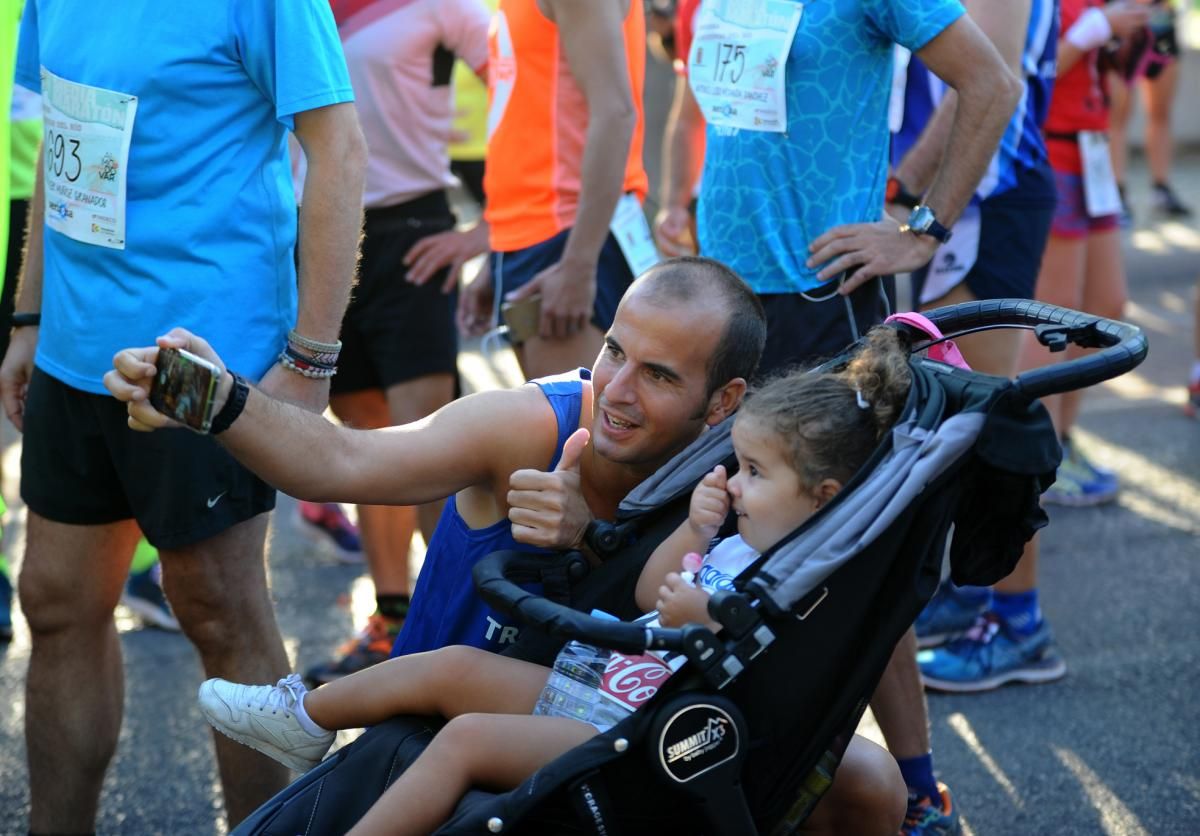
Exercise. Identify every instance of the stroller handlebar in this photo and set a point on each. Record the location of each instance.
(497, 578)
(1124, 346)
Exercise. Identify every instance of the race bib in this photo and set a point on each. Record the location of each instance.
(633, 235)
(738, 61)
(86, 152)
(1100, 192)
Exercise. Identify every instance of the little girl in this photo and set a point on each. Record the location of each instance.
(798, 439)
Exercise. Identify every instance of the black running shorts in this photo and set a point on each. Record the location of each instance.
(82, 465)
(394, 331)
(801, 331)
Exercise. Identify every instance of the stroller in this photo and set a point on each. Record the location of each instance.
(747, 736)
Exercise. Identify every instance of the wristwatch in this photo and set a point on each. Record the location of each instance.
(896, 193)
(922, 221)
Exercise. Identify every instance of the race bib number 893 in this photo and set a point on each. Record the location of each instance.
(87, 135)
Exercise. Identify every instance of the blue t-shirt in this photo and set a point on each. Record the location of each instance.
(1021, 147)
(211, 221)
(765, 196)
(446, 609)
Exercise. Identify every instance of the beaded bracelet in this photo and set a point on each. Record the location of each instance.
(233, 406)
(313, 345)
(320, 361)
(306, 369)
(303, 363)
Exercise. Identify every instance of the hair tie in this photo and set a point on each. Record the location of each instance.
(863, 403)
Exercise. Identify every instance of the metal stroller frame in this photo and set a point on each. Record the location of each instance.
(750, 731)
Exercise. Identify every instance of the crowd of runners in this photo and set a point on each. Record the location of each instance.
(280, 182)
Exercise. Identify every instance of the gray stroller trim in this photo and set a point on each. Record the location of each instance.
(917, 458)
(681, 473)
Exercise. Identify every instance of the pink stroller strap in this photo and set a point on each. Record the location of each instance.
(944, 352)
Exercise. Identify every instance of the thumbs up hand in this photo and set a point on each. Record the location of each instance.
(548, 509)
(710, 504)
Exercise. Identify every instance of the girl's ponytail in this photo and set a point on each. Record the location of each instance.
(880, 376)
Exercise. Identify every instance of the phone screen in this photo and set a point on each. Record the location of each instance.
(184, 388)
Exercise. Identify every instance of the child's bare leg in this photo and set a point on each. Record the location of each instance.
(490, 751)
(446, 682)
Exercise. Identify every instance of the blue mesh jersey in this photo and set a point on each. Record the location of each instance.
(1021, 147)
(445, 607)
(765, 196)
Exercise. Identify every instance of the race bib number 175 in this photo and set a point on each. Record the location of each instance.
(738, 62)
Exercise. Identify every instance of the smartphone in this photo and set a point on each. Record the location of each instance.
(523, 318)
(184, 388)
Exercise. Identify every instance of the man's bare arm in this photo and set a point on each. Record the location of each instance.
(330, 227)
(591, 32)
(593, 39)
(17, 368)
(988, 92)
(682, 160)
(1005, 25)
(474, 441)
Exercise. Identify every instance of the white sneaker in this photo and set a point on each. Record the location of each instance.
(263, 717)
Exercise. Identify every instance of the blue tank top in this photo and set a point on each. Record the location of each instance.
(445, 607)
(1021, 148)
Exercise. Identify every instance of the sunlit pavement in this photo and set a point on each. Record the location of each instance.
(1112, 749)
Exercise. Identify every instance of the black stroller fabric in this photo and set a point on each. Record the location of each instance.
(970, 455)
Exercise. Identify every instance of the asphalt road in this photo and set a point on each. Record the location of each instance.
(1112, 749)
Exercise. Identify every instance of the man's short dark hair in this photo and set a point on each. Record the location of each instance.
(689, 278)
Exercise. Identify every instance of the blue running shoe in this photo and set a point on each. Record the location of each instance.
(143, 595)
(991, 654)
(1080, 483)
(6, 592)
(948, 615)
(925, 817)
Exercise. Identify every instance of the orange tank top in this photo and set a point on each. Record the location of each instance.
(537, 123)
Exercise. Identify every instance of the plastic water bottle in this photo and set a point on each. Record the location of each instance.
(573, 687)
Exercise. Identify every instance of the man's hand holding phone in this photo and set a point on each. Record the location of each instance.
(135, 371)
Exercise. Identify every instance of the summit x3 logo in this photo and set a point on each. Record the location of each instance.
(695, 745)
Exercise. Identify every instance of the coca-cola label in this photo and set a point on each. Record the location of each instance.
(632, 680)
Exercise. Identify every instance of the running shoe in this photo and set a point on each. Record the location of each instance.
(991, 654)
(263, 717)
(6, 592)
(1191, 407)
(948, 614)
(1079, 483)
(1168, 204)
(144, 596)
(370, 647)
(927, 818)
(326, 521)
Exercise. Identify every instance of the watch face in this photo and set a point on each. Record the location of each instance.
(921, 218)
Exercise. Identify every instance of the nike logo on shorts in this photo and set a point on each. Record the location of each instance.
(214, 500)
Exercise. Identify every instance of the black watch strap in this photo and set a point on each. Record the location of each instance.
(233, 406)
(23, 320)
(938, 231)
